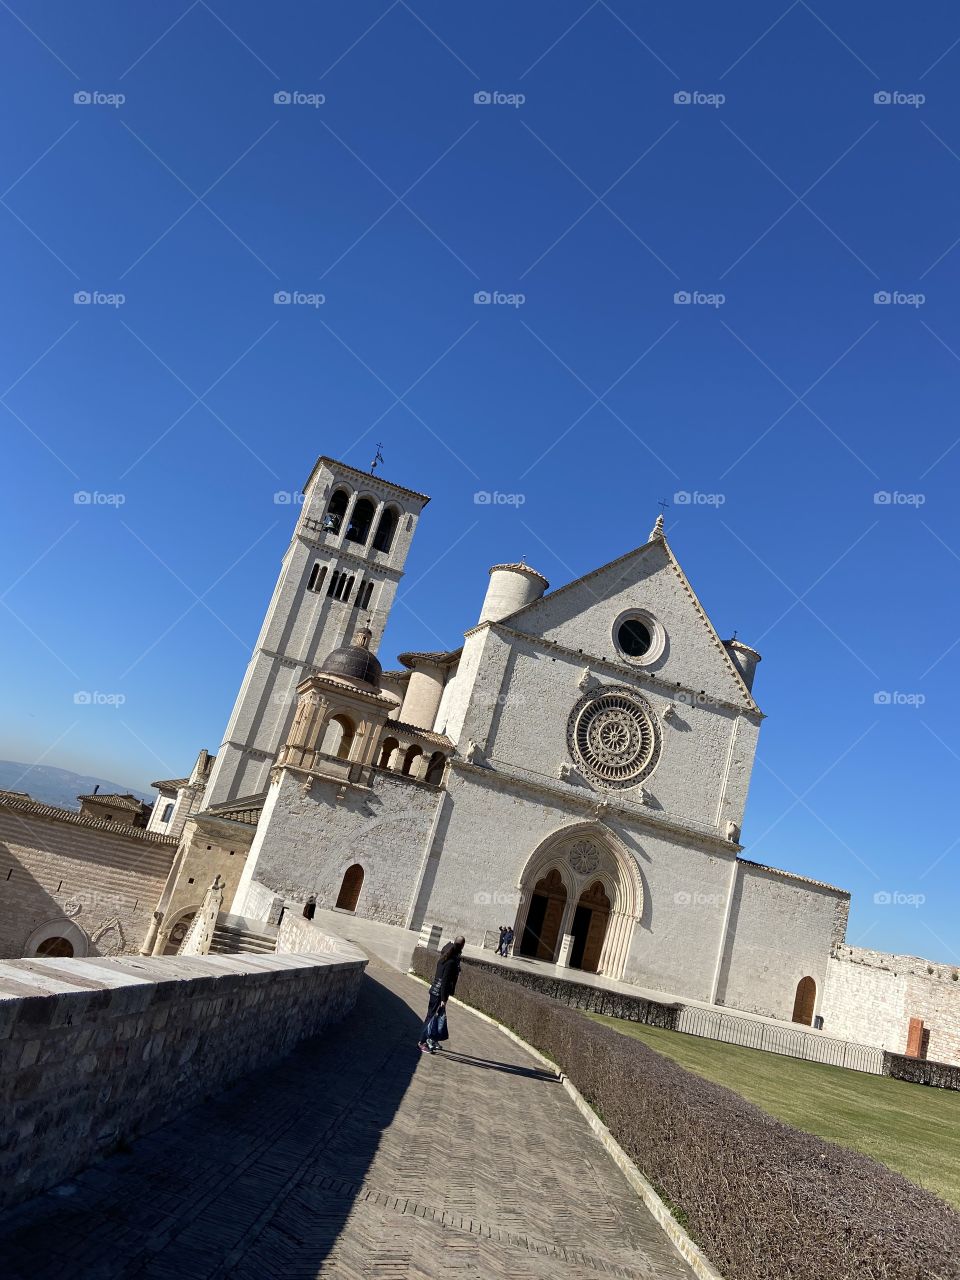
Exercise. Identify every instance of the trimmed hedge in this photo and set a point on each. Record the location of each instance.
(941, 1075)
(580, 995)
(763, 1200)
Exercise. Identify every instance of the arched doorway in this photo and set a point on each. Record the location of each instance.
(598, 882)
(178, 931)
(589, 928)
(350, 888)
(805, 1000)
(542, 930)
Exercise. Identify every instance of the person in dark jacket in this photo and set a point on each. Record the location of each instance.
(444, 985)
(310, 907)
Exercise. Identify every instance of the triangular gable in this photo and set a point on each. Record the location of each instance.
(581, 615)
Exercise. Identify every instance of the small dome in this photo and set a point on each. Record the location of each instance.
(354, 661)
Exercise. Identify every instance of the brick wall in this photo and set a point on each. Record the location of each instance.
(93, 1052)
(58, 867)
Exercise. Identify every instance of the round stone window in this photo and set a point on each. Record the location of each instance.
(638, 636)
(614, 737)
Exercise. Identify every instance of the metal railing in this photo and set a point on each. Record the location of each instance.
(792, 1042)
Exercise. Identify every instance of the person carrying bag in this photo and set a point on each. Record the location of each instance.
(443, 986)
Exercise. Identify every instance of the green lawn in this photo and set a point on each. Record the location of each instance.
(912, 1128)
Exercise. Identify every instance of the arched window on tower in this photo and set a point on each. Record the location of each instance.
(365, 602)
(167, 811)
(410, 759)
(435, 768)
(358, 530)
(336, 511)
(385, 530)
(338, 737)
(386, 751)
(317, 575)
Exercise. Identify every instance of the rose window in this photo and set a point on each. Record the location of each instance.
(584, 857)
(614, 738)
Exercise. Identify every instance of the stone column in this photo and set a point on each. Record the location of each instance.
(566, 946)
(150, 940)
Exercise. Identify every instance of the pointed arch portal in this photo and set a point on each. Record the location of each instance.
(583, 884)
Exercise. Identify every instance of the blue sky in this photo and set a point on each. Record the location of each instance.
(780, 400)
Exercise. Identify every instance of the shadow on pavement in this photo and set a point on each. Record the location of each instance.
(509, 1068)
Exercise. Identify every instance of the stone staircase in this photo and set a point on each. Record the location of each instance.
(238, 935)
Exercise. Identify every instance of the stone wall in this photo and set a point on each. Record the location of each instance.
(308, 837)
(780, 929)
(65, 875)
(94, 1052)
(872, 995)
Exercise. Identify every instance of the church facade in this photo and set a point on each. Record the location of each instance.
(578, 768)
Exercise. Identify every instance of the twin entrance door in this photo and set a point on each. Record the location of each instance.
(545, 918)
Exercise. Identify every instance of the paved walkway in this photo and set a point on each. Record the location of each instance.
(357, 1157)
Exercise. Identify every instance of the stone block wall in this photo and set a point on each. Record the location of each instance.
(873, 995)
(56, 866)
(309, 836)
(95, 1052)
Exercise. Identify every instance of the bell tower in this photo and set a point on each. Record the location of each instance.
(343, 565)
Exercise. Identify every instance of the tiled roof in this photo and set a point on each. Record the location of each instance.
(245, 809)
(371, 480)
(114, 800)
(170, 784)
(441, 657)
(792, 875)
(39, 810)
(428, 735)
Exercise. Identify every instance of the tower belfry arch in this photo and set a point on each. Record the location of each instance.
(345, 559)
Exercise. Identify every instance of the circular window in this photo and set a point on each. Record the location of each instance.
(55, 947)
(614, 737)
(634, 638)
(638, 636)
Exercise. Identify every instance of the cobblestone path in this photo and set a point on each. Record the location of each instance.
(357, 1157)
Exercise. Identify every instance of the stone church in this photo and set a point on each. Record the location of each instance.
(578, 768)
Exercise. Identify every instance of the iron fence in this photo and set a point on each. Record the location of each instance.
(792, 1042)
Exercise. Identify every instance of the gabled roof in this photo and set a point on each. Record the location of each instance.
(658, 540)
(170, 784)
(115, 800)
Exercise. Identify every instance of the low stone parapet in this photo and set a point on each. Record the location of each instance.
(94, 1052)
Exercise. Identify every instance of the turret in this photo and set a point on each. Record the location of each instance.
(512, 586)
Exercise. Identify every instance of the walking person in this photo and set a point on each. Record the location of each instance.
(503, 934)
(508, 938)
(310, 907)
(443, 986)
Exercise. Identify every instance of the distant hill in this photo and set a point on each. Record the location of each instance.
(59, 787)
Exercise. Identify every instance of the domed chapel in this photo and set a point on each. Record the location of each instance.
(578, 768)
